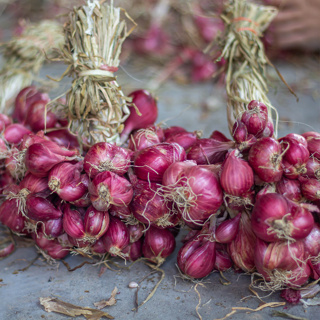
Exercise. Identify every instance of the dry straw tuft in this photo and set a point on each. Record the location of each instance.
(243, 50)
(96, 106)
(24, 56)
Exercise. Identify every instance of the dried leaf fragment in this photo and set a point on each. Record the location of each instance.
(107, 303)
(55, 305)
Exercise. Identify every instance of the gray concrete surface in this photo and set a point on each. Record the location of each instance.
(175, 299)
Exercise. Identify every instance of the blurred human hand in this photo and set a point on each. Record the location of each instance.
(297, 26)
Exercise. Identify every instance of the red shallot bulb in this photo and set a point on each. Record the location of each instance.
(171, 131)
(148, 205)
(122, 212)
(84, 201)
(117, 237)
(313, 141)
(98, 248)
(255, 118)
(313, 168)
(290, 189)
(14, 133)
(203, 67)
(104, 156)
(96, 223)
(236, 176)
(312, 242)
(11, 217)
(37, 117)
(52, 228)
(196, 258)
(108, 188)
(274, 218)
(184, 139)
(33, 183)
(158, 244)
(5, 121)
(239, 131)
(197, 194)
(310, 188)
(66, 180)
(73, 223)
(53, 247)
(217, 135)
(296, 155)
(40, 159)
(142, 139)
(209, 151)
(25, 98)
(144, 115)
(136, 231)
(223, 261)
(64, 138)
(151, 163)
(41, 209)
(133, 251)
(241, 249)
(227, 230)
(265, 158)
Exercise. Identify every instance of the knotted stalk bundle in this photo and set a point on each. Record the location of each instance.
(24, 56)
(243, 50)
(96, 106)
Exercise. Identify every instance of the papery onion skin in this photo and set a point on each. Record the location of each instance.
(34, 184)
(313, 168)
(104, 156)
(117, 237)
(108, 188)
(265, 159)
(151, 163)
(158, 244)
(41, 209)
(95, 222)
(236, 176)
